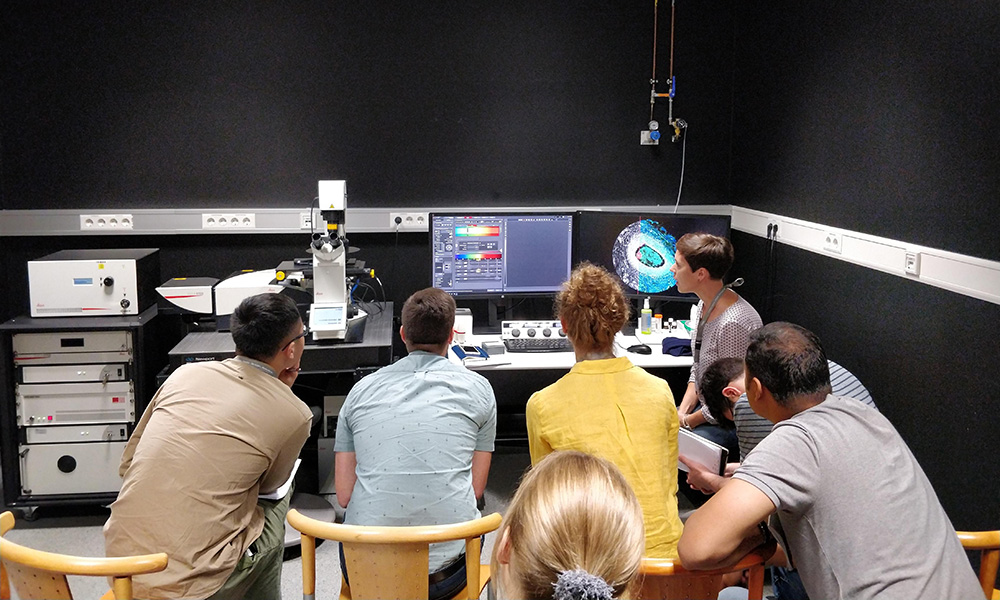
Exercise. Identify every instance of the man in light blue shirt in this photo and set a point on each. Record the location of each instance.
(415, 439)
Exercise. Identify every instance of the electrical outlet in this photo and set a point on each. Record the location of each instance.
(228, 221)
(912, 264)
(409, 221)
(106, 221)
(833, 242)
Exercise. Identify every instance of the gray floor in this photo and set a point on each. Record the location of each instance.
(77, 530)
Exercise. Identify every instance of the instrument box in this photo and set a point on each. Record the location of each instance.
(89, 283)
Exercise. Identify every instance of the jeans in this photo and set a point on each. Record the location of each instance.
(787, 584)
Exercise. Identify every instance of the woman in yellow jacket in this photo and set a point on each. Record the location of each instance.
(608, 407)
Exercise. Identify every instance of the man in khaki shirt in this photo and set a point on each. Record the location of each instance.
(214, 437)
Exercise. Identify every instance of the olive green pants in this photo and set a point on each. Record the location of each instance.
(258, 574)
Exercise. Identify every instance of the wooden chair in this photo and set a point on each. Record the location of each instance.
(988, 542)
(391, 562)
(667, 579)
(38, 575)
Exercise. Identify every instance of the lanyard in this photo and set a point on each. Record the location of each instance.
(256, 364)
(704, 316)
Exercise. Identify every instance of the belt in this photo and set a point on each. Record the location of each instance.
(445, 573)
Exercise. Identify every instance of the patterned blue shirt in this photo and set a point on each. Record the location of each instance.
(413, 427)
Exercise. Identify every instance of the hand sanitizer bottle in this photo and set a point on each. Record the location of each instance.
(646, 318)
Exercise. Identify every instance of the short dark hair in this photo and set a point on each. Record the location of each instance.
(713, 252)
(715, 379)
(261, 324)
(789, 361)
(428, 317)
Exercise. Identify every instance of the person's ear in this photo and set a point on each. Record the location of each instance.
(754, 387)
(702, 274)
(402, 334)
(503, 547)
(732, 393)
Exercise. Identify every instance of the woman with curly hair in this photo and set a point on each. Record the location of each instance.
(610, 408)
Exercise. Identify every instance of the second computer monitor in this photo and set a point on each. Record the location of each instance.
(494, 255)
(640, 247)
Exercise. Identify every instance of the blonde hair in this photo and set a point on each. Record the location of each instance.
(593, 308)
(572, 511)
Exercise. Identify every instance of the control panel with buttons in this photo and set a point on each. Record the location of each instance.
(534, 336)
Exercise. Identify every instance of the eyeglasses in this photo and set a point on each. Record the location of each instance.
(305, 332)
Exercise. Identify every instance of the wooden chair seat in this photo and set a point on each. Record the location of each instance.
(391, 562)
(35, 574)
(667, 579)
(988, 543)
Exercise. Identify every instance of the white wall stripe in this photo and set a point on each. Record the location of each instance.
(968, 275)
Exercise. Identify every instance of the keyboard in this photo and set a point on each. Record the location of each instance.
(534, 336)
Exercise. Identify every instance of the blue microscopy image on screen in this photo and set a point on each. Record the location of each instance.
(643, 255)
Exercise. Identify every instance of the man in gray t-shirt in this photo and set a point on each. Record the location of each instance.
(848, 502)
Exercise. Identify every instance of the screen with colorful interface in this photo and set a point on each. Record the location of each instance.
(640, 247)
(488, 255)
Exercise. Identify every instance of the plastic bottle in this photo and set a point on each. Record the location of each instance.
(646, 317)
(657, 322)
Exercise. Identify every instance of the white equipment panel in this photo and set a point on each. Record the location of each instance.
(90, 283)
(71, 373)
(71, 403)
(74, 435)
(71, 468)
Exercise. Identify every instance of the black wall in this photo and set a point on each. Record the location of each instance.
(875, 117)
(882, 118)
(151, 105)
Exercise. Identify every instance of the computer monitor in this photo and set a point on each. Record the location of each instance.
(496, 255)
(639, 247)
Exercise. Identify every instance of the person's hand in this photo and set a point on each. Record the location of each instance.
(287, 376)
(700, 478)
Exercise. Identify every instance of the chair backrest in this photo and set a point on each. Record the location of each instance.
(390, 562)
(667, 579)
(35, 574)
(988, 542)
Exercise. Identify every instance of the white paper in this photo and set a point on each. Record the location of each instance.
(279, 493)
(704, 452)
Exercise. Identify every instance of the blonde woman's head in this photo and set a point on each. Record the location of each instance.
(592, 308)
(574, 525)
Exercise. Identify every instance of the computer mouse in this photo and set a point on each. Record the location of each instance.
(640, 349)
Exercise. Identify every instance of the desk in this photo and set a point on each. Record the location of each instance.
(375, 349)
(532, 361)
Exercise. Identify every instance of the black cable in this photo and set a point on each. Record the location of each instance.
(313, 207)
(511, 307)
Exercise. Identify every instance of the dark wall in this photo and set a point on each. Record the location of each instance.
(882, 118)
(191, 104)
(928, 356)
(879, 117)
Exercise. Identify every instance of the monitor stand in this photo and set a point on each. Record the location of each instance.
(493, 322)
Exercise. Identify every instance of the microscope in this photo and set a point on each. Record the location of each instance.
(331, 314)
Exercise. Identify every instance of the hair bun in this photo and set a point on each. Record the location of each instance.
(581, 585)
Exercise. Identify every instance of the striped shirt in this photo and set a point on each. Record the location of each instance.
(751, 428)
